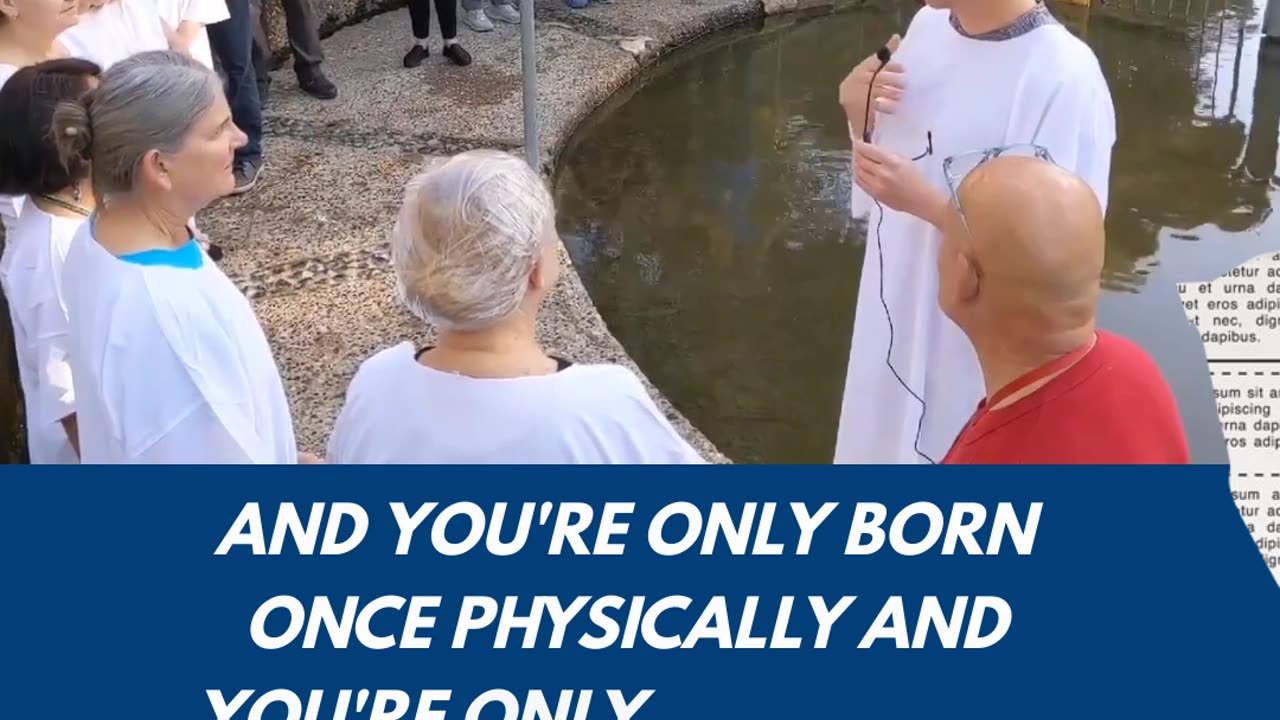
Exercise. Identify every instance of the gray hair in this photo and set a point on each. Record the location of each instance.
(148, 101)
(469, 234)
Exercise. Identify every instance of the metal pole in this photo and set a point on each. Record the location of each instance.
(529, 63)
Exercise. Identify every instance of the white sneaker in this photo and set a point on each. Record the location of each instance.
(504, 13)
(476, 20)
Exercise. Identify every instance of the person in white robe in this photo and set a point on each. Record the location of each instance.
(59, 199)
(29, 31)
(169, 361)
(969, 76)
(475, 254)
(112, 31)
(186, 21)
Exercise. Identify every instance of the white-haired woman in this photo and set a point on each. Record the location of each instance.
(474, 253)
(170, 363)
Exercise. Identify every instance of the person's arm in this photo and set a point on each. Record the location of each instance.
(188, 31)
(56, 397)
(194, 17)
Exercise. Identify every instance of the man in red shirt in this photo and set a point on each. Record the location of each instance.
(1020, 274)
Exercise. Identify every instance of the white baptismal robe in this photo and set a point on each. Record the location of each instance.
(968, 94)
(169, 361)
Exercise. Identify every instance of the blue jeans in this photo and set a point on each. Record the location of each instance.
(232, 43)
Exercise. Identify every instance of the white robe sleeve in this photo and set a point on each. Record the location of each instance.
(859, 201)
(662, 443)
(1077, 124)
(56, 395)
(338, 451)
(205, 12)
(200, 438)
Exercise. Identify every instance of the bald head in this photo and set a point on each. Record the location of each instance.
(1032, 253)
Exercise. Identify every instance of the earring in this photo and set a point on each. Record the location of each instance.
(75, 193)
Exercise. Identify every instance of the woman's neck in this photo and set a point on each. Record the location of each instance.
(508, 350)
(979, 17)
(20, 49)
(72, 202)
(124, 227)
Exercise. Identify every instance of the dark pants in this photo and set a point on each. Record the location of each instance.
(420, 17)
(303, 30)
(232, 43)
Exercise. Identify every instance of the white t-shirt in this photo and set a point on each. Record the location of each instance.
(170, 363)
(399, 412)
(10, 205)
(115, 31)
(205, 12)
(31, 274)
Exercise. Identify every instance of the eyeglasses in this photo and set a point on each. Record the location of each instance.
(957, 167)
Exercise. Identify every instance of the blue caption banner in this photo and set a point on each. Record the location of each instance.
(634, 594)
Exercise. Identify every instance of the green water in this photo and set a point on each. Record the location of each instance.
(707, 211)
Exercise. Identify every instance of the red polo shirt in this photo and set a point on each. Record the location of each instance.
(1111, 407)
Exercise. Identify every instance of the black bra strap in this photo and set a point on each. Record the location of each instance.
(561, 363)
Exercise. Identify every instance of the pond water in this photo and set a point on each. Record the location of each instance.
(707, 209)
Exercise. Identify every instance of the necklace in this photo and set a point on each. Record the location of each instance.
(77, 209)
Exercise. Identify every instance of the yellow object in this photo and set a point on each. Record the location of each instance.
(1081, 3)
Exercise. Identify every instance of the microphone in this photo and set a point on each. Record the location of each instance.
(884, 55)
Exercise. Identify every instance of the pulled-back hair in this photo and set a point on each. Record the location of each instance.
(149, 101)
(29, 159)
(469, 234)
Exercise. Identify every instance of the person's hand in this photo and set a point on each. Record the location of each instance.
(306, 458)
(890, 84)
(896, 183)
(177, 42)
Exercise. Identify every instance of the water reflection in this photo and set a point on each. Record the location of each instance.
(707, 211)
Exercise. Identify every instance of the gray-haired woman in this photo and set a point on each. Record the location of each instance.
(170, 363)
(475, 254)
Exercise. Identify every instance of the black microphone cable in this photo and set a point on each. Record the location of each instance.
(884, 55)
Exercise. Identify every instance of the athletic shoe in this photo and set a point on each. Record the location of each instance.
(476, 20)
(247, 173)
(505, 13)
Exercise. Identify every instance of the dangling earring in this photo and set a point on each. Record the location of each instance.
(75, 193)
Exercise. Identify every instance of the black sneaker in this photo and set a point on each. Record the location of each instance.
(314, 83)
(247, 173)
(415, 56)
(457, 54)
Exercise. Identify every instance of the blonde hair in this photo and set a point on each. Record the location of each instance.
(470, 232)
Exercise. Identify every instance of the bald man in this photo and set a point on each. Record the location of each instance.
(1019, 271)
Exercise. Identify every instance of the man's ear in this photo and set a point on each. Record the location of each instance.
(8, 9)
